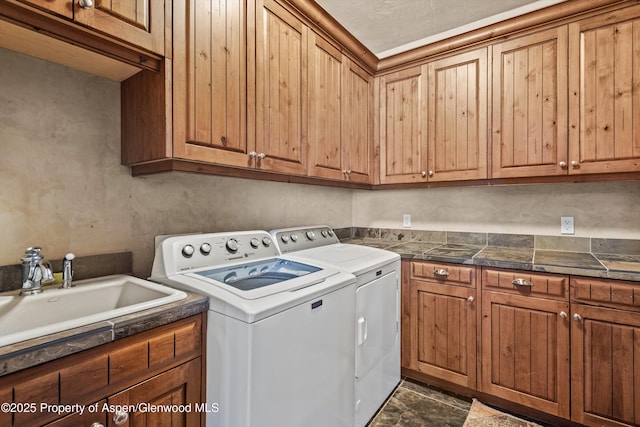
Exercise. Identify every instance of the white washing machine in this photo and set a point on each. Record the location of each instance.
(377, 316)
(278, 353)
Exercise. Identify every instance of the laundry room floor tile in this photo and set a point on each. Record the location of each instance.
(414, 405)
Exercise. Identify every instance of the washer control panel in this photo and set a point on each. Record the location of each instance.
(192, 251)
(300, 238)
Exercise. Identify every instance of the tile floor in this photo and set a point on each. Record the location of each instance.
(414, 405)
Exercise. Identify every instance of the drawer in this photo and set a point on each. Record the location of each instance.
(450, 274)
(607, 293)
(542, 285)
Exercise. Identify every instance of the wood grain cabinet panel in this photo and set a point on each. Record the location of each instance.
(137, 22)
(529, 134)
(280, 97)
(403, 130)
(209, 90)
(604, 93)
(340, 108)
(605, 346)
(440, 339)
(457, 117)
(525, 351)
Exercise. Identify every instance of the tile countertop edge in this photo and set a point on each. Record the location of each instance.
(23, 355)
(478, 259)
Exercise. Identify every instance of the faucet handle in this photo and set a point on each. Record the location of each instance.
(67, 270)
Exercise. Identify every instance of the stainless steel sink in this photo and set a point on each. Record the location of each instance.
(90, 301)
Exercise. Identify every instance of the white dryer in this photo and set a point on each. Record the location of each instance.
(377, 319)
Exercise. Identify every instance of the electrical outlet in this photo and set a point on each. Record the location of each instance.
(406, 220)
(566, 225)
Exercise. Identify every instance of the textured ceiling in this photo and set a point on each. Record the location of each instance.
(388, 27)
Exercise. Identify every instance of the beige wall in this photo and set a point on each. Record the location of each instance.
(599, 209)
(62, 186)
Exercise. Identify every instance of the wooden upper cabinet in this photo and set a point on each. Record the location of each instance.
(457, 117)
(403, 151)
(280, 94)
(137, 22)
(529, 135)
(340, 107)
(357, 123)
(604, 93)
(209, 75)
(325, 109)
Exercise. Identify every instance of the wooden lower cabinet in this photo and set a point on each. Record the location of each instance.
(162, 366)
(525, 351)
(605, 353)
(442, 327)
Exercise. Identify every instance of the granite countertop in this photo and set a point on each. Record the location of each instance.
(518, 253)
(22, 355)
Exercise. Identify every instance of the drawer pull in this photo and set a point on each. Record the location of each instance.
(522, 282)
(441, 272)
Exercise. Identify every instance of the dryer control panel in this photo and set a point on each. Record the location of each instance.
(300, 238)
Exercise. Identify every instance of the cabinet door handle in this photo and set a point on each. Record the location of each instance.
(563, 165)
(577, 317)
(97, 425)
(471, 299)
(85, 4)
(261, 156)
(252, 155)
(120, 418)
(563, 315)
(441, 272)
(430, 173)
(521, 282)
(424, 174)
(574, 163)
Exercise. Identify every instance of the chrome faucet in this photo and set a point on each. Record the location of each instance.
(35, 270)
(67, 271)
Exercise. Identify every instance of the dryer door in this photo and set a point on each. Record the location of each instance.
(377, 321)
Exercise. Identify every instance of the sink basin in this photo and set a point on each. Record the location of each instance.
(90, 301)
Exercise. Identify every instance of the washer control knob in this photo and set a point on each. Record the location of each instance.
(310, 235)
(266, 241)
(284, 238)
(254, 243)
(324, 233)
(187, 251)
(232, 245)
(205, 249)
(330, 232)
(294, 238)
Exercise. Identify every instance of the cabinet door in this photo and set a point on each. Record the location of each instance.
(60, 7)
(604, 82)
(357, 123)
(325, 109)
(403, 150)
(86, 418)
(457, 117)
(605, 369)
(173, 388)
(444, 332)
(209, 96)
(529, 135)
(525, 351)
(280, 89)
(139, 22)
